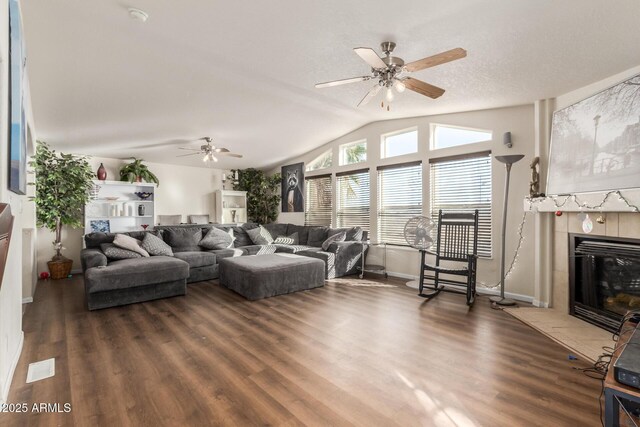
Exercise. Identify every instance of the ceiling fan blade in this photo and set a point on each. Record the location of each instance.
(230, 154)
(190, 154)
(423, 88)
(372, 93)
(220, 150)
(432, 61)
(342, 82)
(370, 57)
(189, 149)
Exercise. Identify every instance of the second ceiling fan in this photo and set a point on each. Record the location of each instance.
(390, 72)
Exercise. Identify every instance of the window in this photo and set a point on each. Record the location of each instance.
(399, 143)
(353, 152)
(353, 199)
(399, 198)
(451, 136)
(323, 161)
(464, 184)
(318, 201)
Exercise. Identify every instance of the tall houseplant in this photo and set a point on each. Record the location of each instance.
(62, 184)
(263, 194)
(136, 171)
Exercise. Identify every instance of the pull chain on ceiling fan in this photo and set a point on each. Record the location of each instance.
(390, 72)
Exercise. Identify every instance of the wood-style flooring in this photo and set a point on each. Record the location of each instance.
(332, 356)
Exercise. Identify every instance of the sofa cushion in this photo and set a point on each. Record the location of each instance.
(292, 249)
(260, 236)
(183, 239)
(276, 229)
(317, 235)
(217, 239)
(129, 273)
(94, 240)
(156, 246)
(242, 238)
(302, 230)
(127, 242)
(259, 249)
(338, 237)
(226, 253)
(352, 234)
(113, 252)
(292, 239)
(197, 259)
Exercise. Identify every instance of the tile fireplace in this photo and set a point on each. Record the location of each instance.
(604, 278)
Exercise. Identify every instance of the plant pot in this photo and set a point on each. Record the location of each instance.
(60, 269)
(138, 179)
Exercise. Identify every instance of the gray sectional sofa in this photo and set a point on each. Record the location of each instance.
(111, 282)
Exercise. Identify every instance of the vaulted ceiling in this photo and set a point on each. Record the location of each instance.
(243, 72)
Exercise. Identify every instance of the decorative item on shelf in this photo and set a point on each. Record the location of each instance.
(143, 195)
(600, 219)
(111, 198)
(558, 213)
(587, 224)
(113, 210)
(508, 161)
(102, 173)
(534, 185)
(95, 191)
(140, 209)
(69, 177)
(100, 226)
(44, 275)
(233, 215)
(136, 171)
(144, 226)
(130, 210)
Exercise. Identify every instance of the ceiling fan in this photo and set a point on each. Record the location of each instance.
(209, 151)
(390, 72)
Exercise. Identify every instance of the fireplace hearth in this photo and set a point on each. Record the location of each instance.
(604, 278)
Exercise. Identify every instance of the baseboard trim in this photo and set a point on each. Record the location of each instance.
(517, 297)
(77, 271)
(12, 370)
(27, 300)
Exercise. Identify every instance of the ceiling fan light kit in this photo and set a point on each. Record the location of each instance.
(391, 71)
(210, 151)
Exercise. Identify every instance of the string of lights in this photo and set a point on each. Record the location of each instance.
(559, 202)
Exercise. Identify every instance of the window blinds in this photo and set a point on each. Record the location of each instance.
(353, 208)
(399, 199)
(318, 201)
(464, 184)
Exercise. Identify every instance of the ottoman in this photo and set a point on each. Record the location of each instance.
(261, 276)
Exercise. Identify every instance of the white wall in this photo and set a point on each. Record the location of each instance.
(518, 120)
(11, 293)
(183, 190)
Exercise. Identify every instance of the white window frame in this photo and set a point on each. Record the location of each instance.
(432, 135)
(343, 147)
(324, 153)
(383, 142)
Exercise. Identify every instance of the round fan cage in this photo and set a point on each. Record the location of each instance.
(417, 232)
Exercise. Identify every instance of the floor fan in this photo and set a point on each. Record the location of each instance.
(417, 233)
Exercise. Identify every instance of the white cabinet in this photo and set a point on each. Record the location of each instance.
(114, 206)
(231, 207)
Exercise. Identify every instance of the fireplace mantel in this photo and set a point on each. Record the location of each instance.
(611, 201)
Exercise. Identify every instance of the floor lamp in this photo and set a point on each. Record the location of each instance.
(508, 161)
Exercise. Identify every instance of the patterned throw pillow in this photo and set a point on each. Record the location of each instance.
(114, 252)
(287, 240)
(127, 242)
(338, 237)
(156, 246)
(217, 239)
(260, 236)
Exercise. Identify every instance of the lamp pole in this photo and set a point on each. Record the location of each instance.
(508, 162)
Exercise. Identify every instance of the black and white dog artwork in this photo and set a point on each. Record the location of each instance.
(293, 188)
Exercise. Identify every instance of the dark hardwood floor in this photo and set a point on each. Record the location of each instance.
(338, 355)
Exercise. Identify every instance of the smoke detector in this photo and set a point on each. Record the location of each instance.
(138, 15)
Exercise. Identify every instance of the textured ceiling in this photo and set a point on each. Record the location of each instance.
(243, 72)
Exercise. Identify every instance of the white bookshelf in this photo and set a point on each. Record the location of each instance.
(229, 202)
(121, 213)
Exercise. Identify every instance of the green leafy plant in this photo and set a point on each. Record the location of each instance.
(136, 171)
(263, 194)
(62, 182)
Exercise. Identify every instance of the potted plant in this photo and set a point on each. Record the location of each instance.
(136, 171)
(62, 182)
(263, 194)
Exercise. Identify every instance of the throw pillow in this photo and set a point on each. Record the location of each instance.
(127, 242)
(287, 240)
(217, 239)
(260, 236)
(156, 246)
(338, 237)
(183, 239)
(114, 252)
